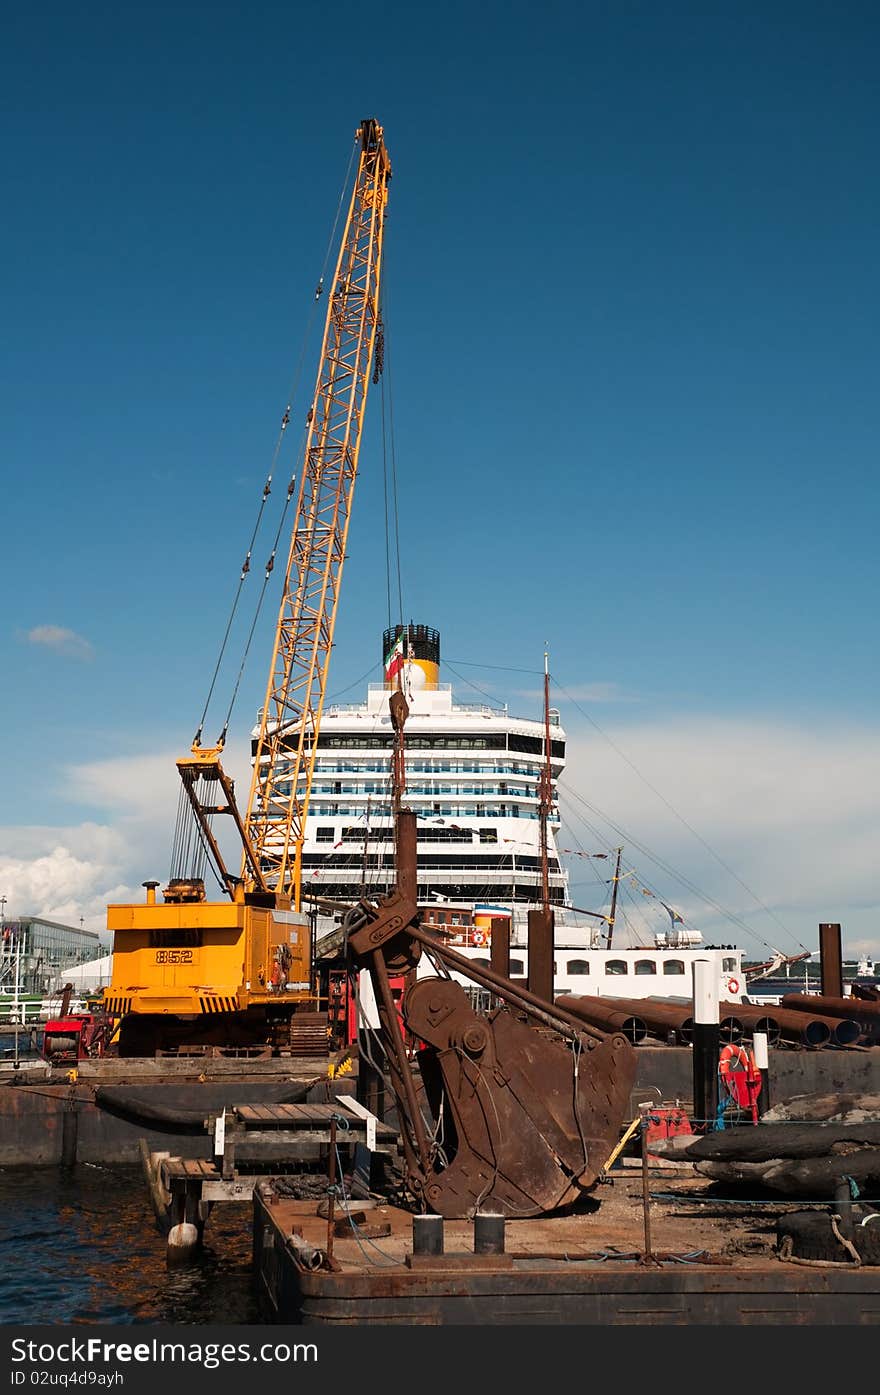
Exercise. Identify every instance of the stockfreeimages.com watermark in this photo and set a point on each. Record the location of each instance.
(95, 1350)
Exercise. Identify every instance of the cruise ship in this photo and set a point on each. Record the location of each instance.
(472, 776)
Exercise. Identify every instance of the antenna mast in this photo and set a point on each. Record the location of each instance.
(545, 793)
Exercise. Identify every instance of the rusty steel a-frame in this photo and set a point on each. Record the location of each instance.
(526, 1102)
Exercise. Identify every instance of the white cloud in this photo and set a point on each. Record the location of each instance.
(74, 871)
(62, 641)
(793, 811)
(54, 881)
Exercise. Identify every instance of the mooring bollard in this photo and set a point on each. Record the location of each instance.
(427, 1235)
(647, 1257)
(760, 1046)
(488, 1233)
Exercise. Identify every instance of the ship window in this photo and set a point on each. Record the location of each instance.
(617, 966)
(517, 966)
(578, 966)
(645, 966)
(728, 966)
(673, 966)
(485, 962)
(324, 835)
(488, 835)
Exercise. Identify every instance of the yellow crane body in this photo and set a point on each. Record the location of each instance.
(206, 957)
(207, 972)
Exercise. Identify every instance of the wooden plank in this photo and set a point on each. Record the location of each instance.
(110, 1069)
(176, 1169)
(279, 1143)
(239, 1189)
(289, 1116)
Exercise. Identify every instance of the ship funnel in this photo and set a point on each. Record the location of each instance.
(413, 652)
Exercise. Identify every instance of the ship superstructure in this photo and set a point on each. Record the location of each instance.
(472, 774)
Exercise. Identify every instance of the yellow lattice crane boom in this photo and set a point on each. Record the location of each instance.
(285, 749)
(190, 970)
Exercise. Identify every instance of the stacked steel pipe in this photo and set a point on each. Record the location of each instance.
(659, 1018)
(861, 1010)
(598, 1013)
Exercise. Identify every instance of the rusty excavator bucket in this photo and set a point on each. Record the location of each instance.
(532, 1115)
(526, 1102)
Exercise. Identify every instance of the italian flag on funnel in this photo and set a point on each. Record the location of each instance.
(394, 660)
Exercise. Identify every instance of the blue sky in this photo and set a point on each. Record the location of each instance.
(632, 296)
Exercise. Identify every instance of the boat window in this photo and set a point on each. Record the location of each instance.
(517, 966)
(578, 966)
(486, 963)
(645, 966)
(728, 966)
(673, 966)
(488, 835)
(325, 835)
(617, 966)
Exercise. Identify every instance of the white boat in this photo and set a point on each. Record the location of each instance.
(472, 774)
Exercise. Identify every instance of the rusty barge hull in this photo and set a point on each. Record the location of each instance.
(553, 1290)
(603, 1298)
(32, 1111)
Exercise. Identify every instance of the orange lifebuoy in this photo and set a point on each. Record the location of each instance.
(733, 985)
(734, 1057)
(479, 938)
(738, 1070)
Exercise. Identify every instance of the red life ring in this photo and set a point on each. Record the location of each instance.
(734, 1057)
(733, 985)
(479, 938)
(741, 1078)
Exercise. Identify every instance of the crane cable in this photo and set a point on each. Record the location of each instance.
(389, 449)
(666, 867)
(294, 388)
(680, 817)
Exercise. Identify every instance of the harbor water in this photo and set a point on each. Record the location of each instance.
(81, 1246)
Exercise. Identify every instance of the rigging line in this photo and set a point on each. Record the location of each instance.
(394, 490)
(268, 572)
(637, 908)
(500, 668)
(572, 834)
(680, 817)
(356, 684)
(665, 867)
(244, 571)
(385, 495)
(641, 881)
(475, 687)
(678, 876)
(291, 396)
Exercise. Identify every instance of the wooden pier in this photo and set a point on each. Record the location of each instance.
(251, 1143)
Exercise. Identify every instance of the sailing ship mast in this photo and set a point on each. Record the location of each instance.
(615, 883)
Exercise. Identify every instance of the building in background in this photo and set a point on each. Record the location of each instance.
(33, 951)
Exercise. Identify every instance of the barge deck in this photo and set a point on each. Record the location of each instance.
(708, 1263)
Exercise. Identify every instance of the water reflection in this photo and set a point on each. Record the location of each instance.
(83, 1247)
